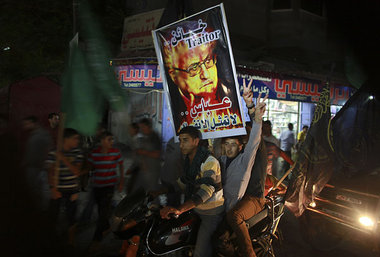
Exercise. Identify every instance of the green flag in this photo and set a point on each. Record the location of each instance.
(89, 81)
(98, 56)
(82, 104)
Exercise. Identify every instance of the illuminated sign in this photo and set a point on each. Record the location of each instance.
(295, 89)
(139, 76)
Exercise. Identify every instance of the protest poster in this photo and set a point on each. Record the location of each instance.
(198, 73)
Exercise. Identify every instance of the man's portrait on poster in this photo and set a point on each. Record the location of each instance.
(199, 76)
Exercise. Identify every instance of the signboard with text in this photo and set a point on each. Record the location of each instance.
(294, 89)
(139, 76)
(137, 32)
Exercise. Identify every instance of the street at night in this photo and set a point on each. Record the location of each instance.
(203, 128)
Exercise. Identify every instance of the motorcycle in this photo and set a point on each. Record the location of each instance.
(139, 214)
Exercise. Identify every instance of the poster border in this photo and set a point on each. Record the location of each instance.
(205, 135)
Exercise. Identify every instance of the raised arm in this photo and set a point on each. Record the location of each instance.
(256, 114)
(240, 179)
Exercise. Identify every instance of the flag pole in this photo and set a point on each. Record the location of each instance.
(59, 147)
(283, 177)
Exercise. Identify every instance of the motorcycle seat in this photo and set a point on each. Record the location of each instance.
(257, 218)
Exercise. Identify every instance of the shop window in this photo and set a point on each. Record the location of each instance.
(281, 4)
(280, 113)
(313, 6)
(306, 114)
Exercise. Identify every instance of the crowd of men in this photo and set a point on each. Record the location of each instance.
(224, 189)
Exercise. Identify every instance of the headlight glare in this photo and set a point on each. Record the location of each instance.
(366, 222)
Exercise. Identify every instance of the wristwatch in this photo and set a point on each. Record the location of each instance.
(251, 106)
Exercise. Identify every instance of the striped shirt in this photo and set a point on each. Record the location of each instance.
(67, 180)
(105, 165)
(208, 197)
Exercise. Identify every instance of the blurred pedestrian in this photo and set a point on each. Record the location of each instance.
(64, 166)
(53, 119)
(171, 171)
(273, 151)
(172, 168)
(217, 147)
(134, 132)
(134, 166)
(104, 161)
(287, 142)
(89, 143)
(301, 136)
(149, 153)
(273, 147)
(268, 135)
(38, 144)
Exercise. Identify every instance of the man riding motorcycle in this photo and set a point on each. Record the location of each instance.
(203, 189)
(202, 179)
(243, 173)
(237, 167)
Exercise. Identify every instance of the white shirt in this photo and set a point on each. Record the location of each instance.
(287, 140)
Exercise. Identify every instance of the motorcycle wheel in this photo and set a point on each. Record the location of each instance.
(263, 248)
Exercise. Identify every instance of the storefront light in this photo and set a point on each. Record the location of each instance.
(366, 221)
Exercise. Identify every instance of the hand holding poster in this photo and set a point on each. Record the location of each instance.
(199, 74)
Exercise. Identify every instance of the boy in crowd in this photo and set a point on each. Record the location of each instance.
(104, 161)
(64, 179)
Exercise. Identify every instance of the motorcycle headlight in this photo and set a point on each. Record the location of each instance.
(366, 221)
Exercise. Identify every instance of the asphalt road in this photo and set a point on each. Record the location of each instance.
(293, 243)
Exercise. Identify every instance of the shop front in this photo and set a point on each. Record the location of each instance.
(141, 81)
(291, 99)
(138, 73)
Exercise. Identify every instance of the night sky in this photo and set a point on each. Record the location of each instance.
(357, 24)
